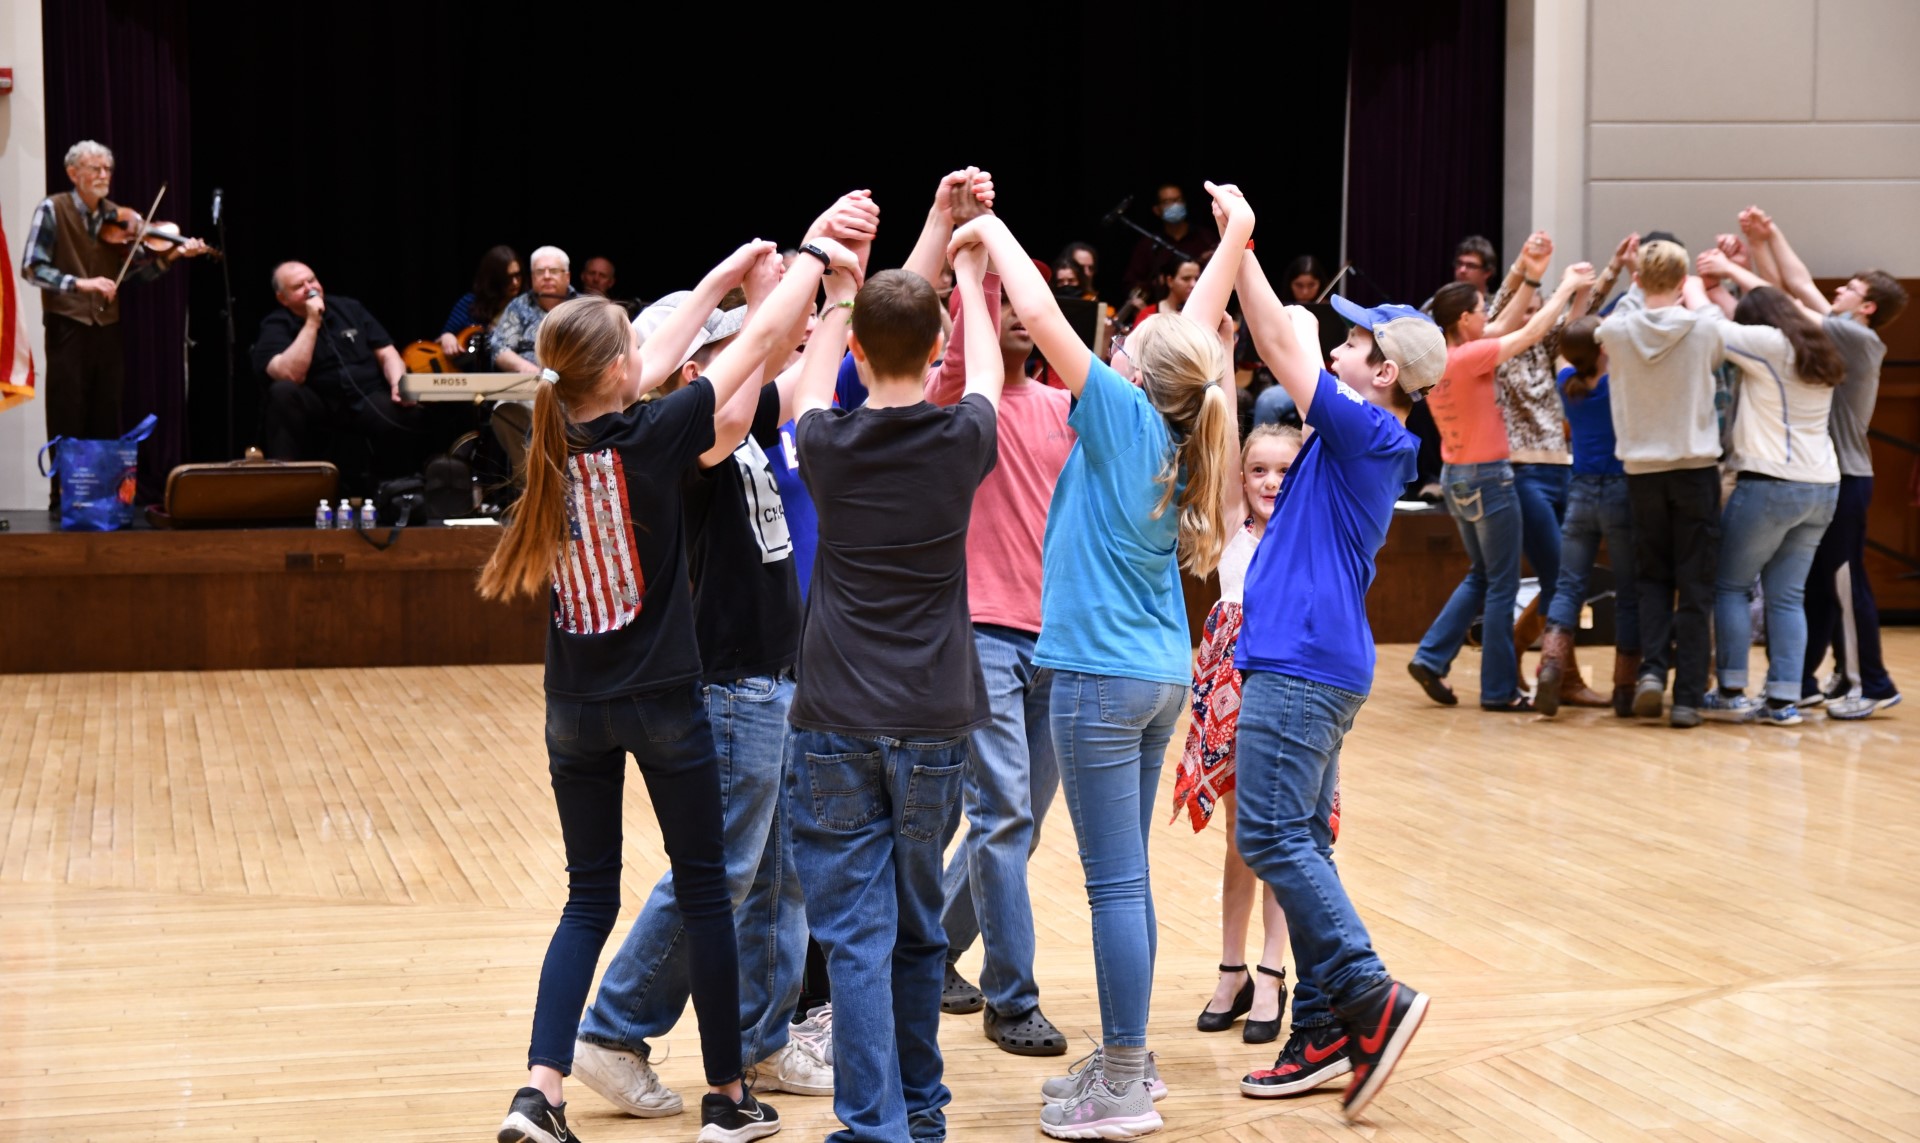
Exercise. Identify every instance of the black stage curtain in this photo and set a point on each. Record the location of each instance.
(116, 72)
(1425, 144)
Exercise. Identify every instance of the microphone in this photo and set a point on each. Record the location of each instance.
(1119, 209)
(313, 291)
(216, 205)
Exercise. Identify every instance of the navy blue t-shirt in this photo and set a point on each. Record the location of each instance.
(803, 523)
(1305, 612)
(1590, 418)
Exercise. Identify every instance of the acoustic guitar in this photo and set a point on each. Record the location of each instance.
(428, 357)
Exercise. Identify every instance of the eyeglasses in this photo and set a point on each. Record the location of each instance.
(99, 168)
(550, 272)
(1468, 264)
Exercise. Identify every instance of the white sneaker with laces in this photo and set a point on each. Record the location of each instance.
(794, 1068)
(624, 1079)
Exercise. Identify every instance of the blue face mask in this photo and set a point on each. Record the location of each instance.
(1174, 213)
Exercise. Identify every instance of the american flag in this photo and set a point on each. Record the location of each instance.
(16, 360)
(597, 585)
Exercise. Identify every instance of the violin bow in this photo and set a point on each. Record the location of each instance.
(146, 224)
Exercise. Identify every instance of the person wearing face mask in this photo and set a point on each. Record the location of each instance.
(1189, 235)
(512, 337)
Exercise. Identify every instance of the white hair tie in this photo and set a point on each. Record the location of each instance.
(549, 376)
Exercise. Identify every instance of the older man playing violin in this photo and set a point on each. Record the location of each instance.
(77, 271)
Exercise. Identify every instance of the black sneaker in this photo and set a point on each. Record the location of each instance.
(1381, 1023)
(532, 1119)
(1311, 1057)
(724, 1121)
(958, 996)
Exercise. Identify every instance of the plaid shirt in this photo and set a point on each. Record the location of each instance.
(517, 325)
(37, 266)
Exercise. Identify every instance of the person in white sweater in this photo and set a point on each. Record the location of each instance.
(1789, 482)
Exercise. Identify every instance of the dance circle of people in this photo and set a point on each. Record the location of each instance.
(1682, 398)
(837, 573)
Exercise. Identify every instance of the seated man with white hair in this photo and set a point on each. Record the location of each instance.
(511, 338)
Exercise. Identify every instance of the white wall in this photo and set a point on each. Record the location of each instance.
(23, 183)
(1674, 114)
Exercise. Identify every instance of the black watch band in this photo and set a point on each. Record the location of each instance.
(825, 261)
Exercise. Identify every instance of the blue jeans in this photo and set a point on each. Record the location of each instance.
(870, 820)
(645, 988)
(1111, 734)
(1598, 506)
(1009, 788)
(1770, 529)
(1542, 489)
(1289, 768)
(587, 745)
(1487, 509)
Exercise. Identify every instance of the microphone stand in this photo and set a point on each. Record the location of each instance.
(226, 314)
(1149, 235)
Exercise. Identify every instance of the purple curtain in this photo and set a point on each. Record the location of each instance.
(1425, 141)
(116, 72)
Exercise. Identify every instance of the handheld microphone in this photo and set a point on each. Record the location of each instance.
(1121, 208)
(313, 291)
(217, 193)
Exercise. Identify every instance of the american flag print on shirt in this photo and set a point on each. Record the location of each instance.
(597, 585)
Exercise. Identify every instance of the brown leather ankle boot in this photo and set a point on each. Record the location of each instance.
(1555, 647)
(1626, 669)
(1574, 690)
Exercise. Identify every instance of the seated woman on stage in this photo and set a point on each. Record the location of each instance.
(496, 281)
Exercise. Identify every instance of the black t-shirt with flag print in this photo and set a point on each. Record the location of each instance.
(622, 605)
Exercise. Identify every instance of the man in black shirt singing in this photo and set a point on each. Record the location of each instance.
(332, 369)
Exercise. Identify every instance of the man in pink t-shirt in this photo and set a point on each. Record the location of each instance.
(1014, 776)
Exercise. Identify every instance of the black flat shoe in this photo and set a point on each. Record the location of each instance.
(1267, 1031)
(1521, 705)
(1242, 1004)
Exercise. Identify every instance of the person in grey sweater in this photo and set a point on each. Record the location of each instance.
(1664, 348)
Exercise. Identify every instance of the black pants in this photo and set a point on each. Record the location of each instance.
(1847, 617)
(671, 739)
(85, 374)
(1676, 532)
(370, 438)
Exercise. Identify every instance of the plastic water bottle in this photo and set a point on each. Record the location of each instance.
(343, 518)
(368, 521)
(323, 516)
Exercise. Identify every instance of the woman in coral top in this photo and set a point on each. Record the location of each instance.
(1477, 479)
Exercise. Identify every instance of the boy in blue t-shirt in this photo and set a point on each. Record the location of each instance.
(1306, 653)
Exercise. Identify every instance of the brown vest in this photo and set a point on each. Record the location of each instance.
(84, 256)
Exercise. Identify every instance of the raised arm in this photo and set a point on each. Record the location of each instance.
(746, 354)
(1295, 363)
(733, 420)
(1715, 263)
(1507, 311)
(1033, 300)
(930, 250)
(1527, 336)
(820, 364)
(984, 375)
(1757, 229)
(1234, 216)
(1794, 276)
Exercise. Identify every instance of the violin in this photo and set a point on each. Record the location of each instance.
(125, 226)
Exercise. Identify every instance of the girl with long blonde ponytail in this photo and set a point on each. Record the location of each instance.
(1141, 496)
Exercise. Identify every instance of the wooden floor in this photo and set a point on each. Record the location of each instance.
(312, 904)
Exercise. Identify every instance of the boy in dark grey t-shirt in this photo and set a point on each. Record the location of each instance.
(890, 682)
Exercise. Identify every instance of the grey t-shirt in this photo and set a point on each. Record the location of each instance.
(1862, 350)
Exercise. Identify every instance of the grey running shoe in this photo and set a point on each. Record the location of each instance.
(1859, 706)
(1062, 1089)
(624, 1079)
(1103, 1112)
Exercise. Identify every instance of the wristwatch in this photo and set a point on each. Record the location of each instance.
(825, 261)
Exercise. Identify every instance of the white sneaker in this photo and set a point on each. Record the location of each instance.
(624, 1079)
(794, 1068)
(816, 1032)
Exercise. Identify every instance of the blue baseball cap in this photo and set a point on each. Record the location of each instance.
(1407, 337)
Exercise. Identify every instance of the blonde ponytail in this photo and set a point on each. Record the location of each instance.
(581, 341)
(1183, 371)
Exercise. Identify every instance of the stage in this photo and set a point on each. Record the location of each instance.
(307, 904)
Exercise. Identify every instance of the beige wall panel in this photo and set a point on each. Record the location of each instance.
(1650, 60)
(1837, 227)
(1865, 60)
(1755, 150)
